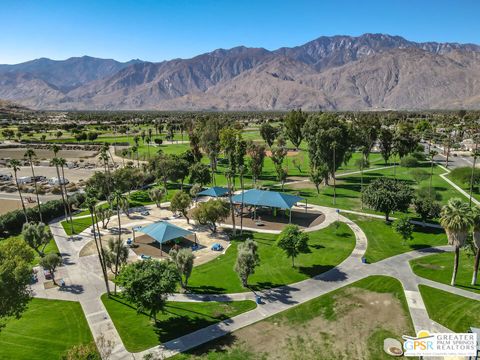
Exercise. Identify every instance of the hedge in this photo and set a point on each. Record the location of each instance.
(12, 222)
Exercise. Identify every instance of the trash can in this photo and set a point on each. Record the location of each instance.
(364, 260)
(258, 299)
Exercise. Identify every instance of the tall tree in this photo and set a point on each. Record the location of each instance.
(183, 259)
(476, 242)
(257, 157)
(456, 219)
(247, 260)
(37, 236)
(386, 143)
(147, 284)
(30, 155)
(56, 162)
(404, 228)
(181, 202)
(116, 255)
(293, 241)
(268, 133)
(15, 276)
(279, 152)
(51, 262)
(15, 166)
(210, 212)
(294, 122)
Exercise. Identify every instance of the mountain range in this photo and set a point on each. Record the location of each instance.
(368, 72)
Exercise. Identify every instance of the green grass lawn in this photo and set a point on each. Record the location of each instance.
(328, 248)
(384, 241)
(466, 187)
(455, 312)
(348, 188)
(439, 267)
(138, 331)
(45, 331)
(78, 225)
(298, 318)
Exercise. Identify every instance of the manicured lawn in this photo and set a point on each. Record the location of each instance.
(466, 187)
(45, 331)
(328, 248)
(331, 308)
(439, 267)
(455, 312)
(384, 241)
(78, 225)
(138, 331)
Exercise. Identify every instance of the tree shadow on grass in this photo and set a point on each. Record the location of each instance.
(280, 294)
(220, 345)
(207, 289)
(314, 270)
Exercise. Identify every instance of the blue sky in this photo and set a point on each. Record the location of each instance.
(158, 30)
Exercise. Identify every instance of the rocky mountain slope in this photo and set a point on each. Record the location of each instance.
(372, 71)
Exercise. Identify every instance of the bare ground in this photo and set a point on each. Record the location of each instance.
(359, 314)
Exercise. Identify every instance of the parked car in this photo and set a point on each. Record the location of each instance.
(217, 247)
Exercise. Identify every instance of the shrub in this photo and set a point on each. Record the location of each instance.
(419, 175)
(409, 161)
(141, 196)
(420, 156)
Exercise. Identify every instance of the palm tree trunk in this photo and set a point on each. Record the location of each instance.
(66, 200)
(100, 255)
(21, 197)
(475, 267)
(36, 192)
(60, 181)
(119, 242)
(241, 207)
(455, 265)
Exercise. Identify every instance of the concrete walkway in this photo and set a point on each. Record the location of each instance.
(85, 284)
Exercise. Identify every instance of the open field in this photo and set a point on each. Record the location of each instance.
(317, 329)
(139, 332)
(45, 331)
(455, 312)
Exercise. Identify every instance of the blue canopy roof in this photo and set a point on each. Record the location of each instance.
(214, 191)
(267, 198)
(164, 231)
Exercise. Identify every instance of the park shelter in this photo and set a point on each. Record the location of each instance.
(164, 231)
(215, 191)
(271, 199)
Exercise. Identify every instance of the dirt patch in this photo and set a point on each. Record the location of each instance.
(10, 205)
(342, 332)
(289, 153)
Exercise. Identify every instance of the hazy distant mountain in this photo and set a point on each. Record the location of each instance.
(372, 71)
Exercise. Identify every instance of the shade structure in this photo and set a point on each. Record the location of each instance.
(267, 198)
(164, 231)
(214, 191)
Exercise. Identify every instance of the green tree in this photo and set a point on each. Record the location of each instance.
(116, 249)
(15, 276)
(317, 174)
(386, 143)
(268, 133)
(247, 260)
(37, 236)
(147, 284)
(404, 228)
(387, 195)
(257, 157)
(194, 190)
(57, 162)
(200, 174)
(279, 152)
(15, 166)
(181, 202)
(427, 208)
(51, 262)
(293, 241)
(419, 175)
(183, 260)
(456, 219)
(362, 164)
(30, 155)
(294, 122)
(210, 212)
(157, 195)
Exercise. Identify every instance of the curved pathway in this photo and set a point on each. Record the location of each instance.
(85, 284)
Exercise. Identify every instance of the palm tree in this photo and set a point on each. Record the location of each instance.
(15, 165)
(30, 154)
(334, 146)
(121, 201)
(432, 154)
(229, 175)
(57, 162)
(241, 171)
(456, 219)
(62, 163)
(475, 154)
(90, 202)
(476, 242)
